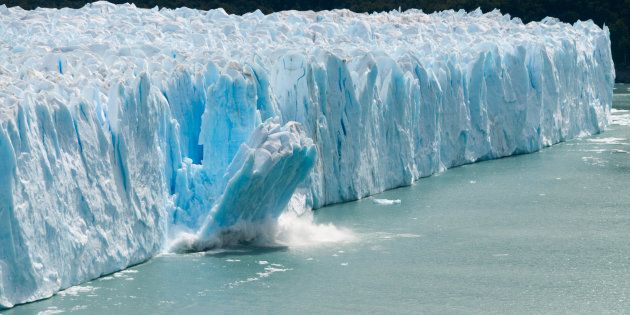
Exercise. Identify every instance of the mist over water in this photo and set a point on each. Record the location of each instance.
(544, 232)
(302, 231)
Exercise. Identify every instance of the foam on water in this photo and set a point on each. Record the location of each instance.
(609, 140)
(301, 231)
(620, 117)
(76, 290)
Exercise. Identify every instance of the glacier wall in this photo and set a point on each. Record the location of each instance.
(126, 131)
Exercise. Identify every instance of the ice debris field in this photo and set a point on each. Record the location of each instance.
(126, 132)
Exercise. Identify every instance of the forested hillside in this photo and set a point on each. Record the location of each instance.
(614, 13)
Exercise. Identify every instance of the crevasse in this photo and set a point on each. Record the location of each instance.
(125, 131)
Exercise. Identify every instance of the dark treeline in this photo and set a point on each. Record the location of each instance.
(614, 13)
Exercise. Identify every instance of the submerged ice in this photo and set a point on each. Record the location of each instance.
(126, 131)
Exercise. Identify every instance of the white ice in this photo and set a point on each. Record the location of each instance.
(386, 202)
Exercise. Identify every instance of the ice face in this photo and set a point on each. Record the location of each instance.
(262, 178)
(124, 130)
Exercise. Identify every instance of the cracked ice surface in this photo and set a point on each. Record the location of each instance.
(123, 128)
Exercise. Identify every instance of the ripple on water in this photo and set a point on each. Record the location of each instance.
(594, 161)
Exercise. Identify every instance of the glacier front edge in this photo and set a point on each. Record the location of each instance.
(125, 129)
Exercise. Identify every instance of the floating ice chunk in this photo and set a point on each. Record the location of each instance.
(268, 271)
(76, 290)
(271, 270)
(386, 202)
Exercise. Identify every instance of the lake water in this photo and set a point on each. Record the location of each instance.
(544, 232)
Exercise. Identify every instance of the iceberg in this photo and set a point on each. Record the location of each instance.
(125, 132)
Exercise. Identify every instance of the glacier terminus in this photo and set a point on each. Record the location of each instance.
(127, 132)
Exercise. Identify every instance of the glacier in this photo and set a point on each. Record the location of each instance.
(126, 132)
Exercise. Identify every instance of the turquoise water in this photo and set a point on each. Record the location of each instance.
(545, 232)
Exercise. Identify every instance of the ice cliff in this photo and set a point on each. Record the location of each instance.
(126, 131)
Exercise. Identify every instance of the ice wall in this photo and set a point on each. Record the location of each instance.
(263, 176)
(124, 130)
